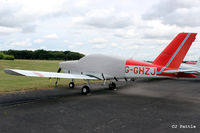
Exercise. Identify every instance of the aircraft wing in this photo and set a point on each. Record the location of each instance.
(47, 74)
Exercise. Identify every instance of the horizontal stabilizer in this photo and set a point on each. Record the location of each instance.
(198, 63)
(46, 74)
(185, 71)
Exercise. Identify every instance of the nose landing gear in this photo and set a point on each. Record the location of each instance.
(112, 86)
(71, 85)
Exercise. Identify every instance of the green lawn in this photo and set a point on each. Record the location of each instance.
(17, 83)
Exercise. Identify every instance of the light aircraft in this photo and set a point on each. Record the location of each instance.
(103, 67)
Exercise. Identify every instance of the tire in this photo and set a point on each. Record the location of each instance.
(85, 90)
(112, 86)
(71, 85)
(132, 79)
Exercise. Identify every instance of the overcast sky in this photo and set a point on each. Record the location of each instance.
(138, 29)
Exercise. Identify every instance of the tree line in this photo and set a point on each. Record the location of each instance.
(43, 54)
(6, 57)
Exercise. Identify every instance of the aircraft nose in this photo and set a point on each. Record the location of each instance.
(67, 65)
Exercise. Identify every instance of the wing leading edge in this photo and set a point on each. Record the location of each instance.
(46, 74)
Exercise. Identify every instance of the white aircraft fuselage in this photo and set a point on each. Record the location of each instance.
(96, 65)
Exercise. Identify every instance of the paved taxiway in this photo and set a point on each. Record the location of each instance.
(142, 106)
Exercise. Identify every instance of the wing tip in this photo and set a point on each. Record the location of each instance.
(11, 72)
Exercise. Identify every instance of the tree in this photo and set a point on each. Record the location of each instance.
(44, 55)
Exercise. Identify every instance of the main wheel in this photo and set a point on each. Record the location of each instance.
(132, 79)
(71, 85)
(112, 86)
(85, 90)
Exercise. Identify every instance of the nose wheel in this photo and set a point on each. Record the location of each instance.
(71, 85)
(85, 90)
(112, 86)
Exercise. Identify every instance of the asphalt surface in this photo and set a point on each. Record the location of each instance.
(151, 106)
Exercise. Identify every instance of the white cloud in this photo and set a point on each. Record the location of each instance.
(98, 41)
(42, 47)
(74, 43)
(99, 46)
(25, 43)
(81, 3)
(38, 41)
(71, 46)
(11, 16)
(78, 43)
(51, 36)
(114, 44)
(8, 30)
(127, 33)
(39, 7)
(175, 12)
(66, 41)
(107, 18)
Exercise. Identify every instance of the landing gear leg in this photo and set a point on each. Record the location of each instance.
(50, 81)
(56, 83)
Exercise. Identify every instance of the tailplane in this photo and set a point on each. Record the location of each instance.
(198, 62)
(173, 55)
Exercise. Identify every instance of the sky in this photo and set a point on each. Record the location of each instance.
(137, 29)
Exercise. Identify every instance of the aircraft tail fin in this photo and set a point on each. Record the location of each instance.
(173, 55)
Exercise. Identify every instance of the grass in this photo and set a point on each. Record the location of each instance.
(10, 83)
